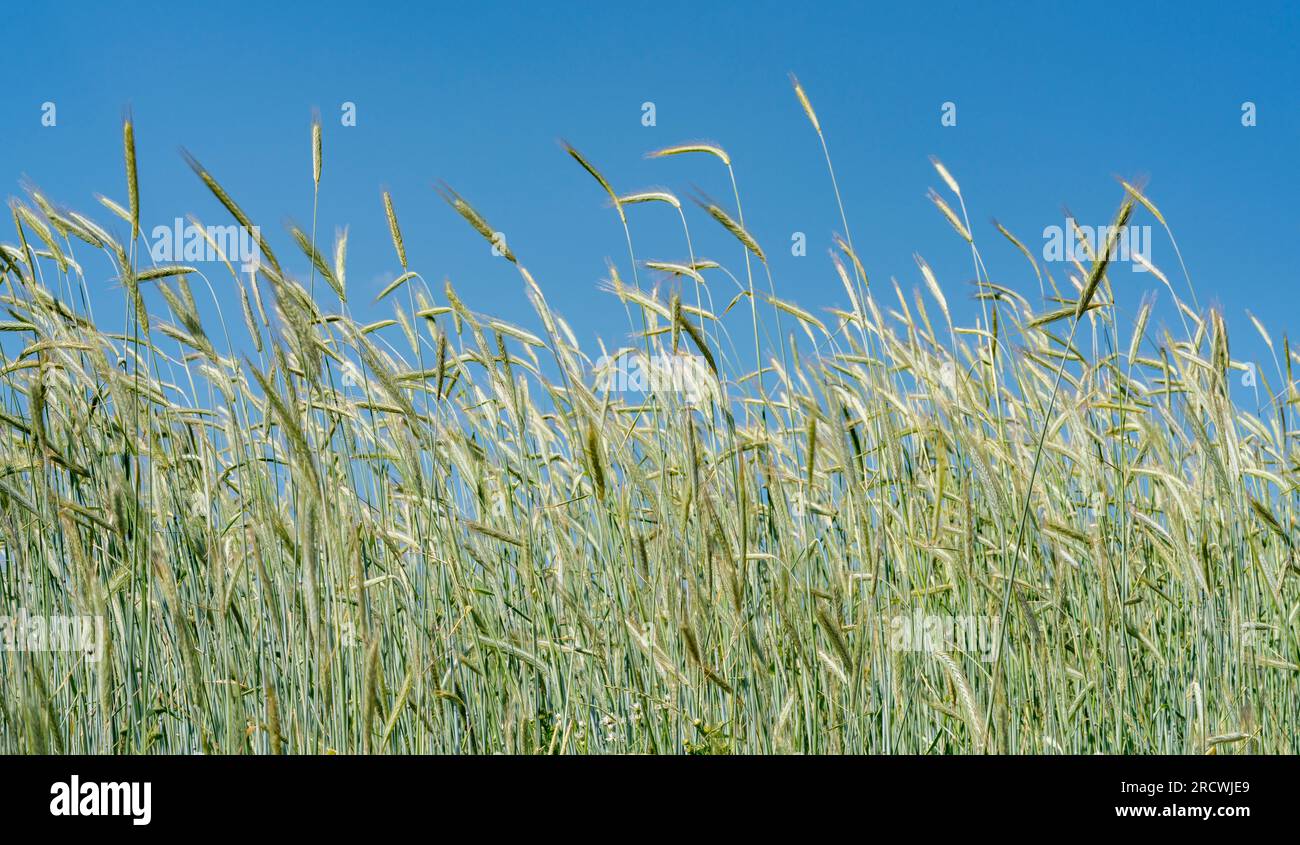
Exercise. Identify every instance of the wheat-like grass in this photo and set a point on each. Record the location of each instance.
(443, 532)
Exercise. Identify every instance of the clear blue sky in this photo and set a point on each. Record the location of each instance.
(1053, 102)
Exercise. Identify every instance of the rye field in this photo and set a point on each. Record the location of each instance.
(745, 524)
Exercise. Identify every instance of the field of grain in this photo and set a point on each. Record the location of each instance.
(444, 533)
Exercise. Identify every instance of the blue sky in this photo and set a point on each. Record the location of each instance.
(1053, 103)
